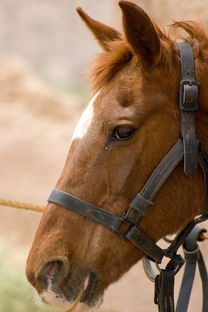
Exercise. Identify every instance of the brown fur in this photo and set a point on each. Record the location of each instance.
(142, 92)
(108, 63)
(103, 33)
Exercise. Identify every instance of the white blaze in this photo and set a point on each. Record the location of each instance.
(85, 120)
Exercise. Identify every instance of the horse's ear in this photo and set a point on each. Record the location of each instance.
(141, 33)
(103, 33)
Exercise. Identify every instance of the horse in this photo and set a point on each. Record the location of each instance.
(130, 124)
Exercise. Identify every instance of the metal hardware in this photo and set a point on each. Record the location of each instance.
(189, 95)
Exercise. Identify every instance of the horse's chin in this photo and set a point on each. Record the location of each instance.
(85, 300)
(55, 301)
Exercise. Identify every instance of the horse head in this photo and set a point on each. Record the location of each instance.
(130, 124)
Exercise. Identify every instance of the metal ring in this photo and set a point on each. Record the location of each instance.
(167, 240)
(149, 270)
(177, 267)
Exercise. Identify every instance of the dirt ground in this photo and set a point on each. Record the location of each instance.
(36, 125)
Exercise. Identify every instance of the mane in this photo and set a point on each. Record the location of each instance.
(107, 64)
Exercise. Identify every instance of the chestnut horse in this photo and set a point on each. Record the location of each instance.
(128, 127)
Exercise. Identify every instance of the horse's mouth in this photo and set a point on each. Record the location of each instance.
(72, 298)
(88, 296)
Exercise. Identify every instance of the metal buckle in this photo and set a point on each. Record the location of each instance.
(189, 95)
(123, 228)
(174, 264)
(132, 216)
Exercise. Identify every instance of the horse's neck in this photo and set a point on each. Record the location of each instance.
(202, 115)
(202, 128)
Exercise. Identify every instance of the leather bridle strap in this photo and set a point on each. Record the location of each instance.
(113, 222)
(94, 213)
(142, 202)
(86, 209)
(186, 147)
(193, 256)
(189, 104)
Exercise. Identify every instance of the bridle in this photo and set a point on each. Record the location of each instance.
(187, 148)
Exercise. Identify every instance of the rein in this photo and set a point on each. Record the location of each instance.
(187, 148)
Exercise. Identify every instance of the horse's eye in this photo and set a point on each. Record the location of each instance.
(123, 133)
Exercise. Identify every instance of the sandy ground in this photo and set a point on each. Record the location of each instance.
(36, 126)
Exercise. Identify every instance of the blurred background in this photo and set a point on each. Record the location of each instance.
(45, 50)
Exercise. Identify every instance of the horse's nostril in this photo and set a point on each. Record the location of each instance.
(53, 273)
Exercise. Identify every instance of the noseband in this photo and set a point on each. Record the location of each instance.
(188, 149)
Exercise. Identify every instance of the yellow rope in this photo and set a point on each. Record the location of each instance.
(77, 300)
(20, 205)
